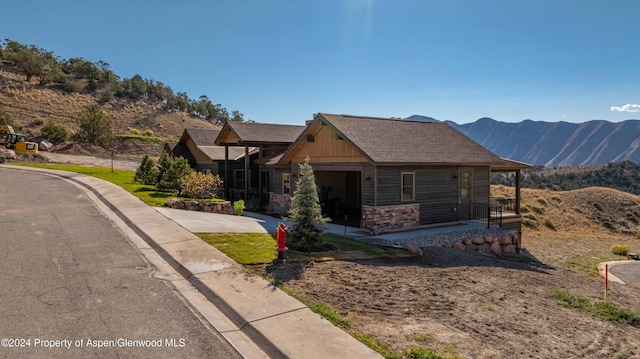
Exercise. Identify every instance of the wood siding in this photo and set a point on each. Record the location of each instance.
(325, 147)
(481, 180)
(436, 190)
(227, 137)
(276, 181)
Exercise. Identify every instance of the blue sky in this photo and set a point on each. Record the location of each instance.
(281, 61)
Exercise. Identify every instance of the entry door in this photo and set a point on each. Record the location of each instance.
(464, 196)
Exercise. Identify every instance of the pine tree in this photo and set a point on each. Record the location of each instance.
(163, 165)
(306, 214)
(147, 172)
(170, 181)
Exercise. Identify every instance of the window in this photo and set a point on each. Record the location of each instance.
(238, 176)
(408, 186)
(286, 183)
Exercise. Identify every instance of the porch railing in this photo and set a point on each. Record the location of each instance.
(508, 203)
(491, 213)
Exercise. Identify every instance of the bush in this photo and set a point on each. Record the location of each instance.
(147, 173)
(72, 86)
(529, 223)
(134, 131)
(54, 132)
(549, 224)
(619, 249)
(5, 119)
(148, 132)
(538, 210)
(200, 185)
(238, 206)
(541, 200)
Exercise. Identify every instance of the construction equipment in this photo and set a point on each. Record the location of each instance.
(15, 141)
(5, 130)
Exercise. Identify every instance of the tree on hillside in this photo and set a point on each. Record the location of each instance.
(5, 119)
(306, 213)
(237, 116)
(95, 127)
(29, 59)
(54, 132)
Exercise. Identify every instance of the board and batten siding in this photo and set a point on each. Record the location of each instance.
(436, 190)
(481, 179)
(368, 185)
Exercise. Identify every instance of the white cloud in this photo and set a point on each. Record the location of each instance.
(626, 108)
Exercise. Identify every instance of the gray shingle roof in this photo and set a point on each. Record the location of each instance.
(205, 141)
(386, 140)
(265, 133)
(202, 137)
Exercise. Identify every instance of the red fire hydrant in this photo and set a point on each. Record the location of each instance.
(281, 241)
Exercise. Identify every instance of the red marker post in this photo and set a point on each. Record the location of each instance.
(281, 241)
(606, 282)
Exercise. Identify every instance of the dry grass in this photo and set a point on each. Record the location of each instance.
(26, 102)
(576, 229)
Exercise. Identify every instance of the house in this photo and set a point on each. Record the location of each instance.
(270, 140)
(198, 147)
(385, 174)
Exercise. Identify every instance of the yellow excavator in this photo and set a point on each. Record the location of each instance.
(15, 141)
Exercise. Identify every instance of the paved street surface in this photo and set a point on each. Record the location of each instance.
(627, 271)
(68, 278)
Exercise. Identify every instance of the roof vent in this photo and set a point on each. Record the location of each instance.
(310, 138)
(338, 137)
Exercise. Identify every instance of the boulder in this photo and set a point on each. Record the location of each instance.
(466, 241)
(477, 240)
(496, 247)
(488, 239)
(413, 249)
(506, 239)
(459, 245)
(44, 145)
(509, 248)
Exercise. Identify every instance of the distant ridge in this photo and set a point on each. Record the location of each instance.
(555, 144)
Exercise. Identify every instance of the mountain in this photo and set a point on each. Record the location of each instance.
(555, 144)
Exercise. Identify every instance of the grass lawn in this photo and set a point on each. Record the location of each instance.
(260, 248)
(244, 248)
(122, 178)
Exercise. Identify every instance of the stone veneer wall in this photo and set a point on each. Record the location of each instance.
(202, 206)
(279, 203)
(378, 219)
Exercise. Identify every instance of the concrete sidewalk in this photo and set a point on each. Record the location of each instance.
(279, 325)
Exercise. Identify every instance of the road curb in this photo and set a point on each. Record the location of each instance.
(258, 310)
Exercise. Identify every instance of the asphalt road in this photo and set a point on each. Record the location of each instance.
(68, 278)
(628, 272)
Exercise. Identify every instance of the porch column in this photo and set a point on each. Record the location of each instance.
(260, 149)
(517, 192)
(226, 172)
(246, 174)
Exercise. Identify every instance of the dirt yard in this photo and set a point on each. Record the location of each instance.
(480, 306)
(470, 303)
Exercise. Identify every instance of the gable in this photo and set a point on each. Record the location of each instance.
(323, 145)
(227, 137)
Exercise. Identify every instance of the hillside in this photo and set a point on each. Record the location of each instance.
(31, 106)
(472, 305)
(555, 144)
